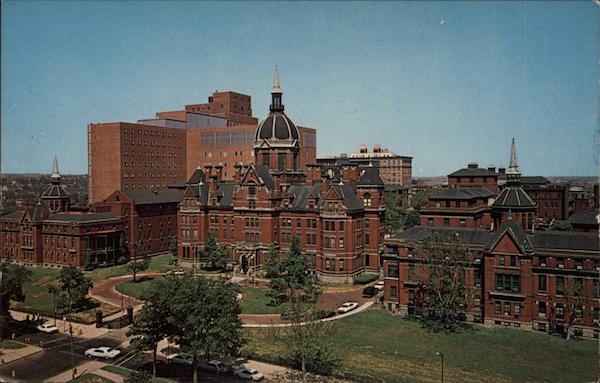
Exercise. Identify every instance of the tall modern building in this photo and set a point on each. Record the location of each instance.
(152, 154)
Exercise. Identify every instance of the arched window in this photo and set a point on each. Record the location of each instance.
(367, 200)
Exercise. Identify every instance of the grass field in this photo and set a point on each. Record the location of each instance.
(137, 290)
(91, 378)
(8, 345)
(38, 299)
(377, 346)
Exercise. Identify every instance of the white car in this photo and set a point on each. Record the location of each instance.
(184, 359)
(379, 285)
(47, 328)
(248, 373)
(348, 306)
(102, 352)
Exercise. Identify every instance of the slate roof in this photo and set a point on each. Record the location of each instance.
(349, 198)
(473, 172)
(82, 217)
(196, 177)
(276, 126)
(15, 216)
(145, 197)
(224, 192)
(263, 172)
(55, 191)
(472, 236)
(585, 217)
(370, 177)
(463, 193)
(300, 195)
(513, 197)
(539, 240)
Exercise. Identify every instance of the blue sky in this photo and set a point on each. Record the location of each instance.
(447, 83)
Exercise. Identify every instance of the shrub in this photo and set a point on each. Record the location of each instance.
(365, 278)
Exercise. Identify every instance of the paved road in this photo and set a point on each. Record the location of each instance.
(56, 358)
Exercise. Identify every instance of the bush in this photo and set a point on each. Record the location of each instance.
(122, 260)
(365, 278)
(322, 314)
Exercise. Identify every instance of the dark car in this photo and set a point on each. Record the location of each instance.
(369, 291)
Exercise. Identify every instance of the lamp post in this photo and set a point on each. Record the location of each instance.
(441, 355)
(52, 289)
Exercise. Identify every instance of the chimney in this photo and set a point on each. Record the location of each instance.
(472, 165)
(208, 171)
(350, 173)
(237, 173)
(276, 184)
(219, 172)
(491, 168)
(501, 170)
(313, 173)
(324, 185)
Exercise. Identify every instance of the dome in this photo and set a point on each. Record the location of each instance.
(276, 126)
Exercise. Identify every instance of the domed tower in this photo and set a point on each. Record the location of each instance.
(55, 197)
(276, 142)
(513, 200)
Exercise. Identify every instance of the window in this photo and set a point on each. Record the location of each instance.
(341, 242)
(266, 157)
(446, 221)
(367, 200)
(251, 191)
(430, 221)
(517, 310)
(462, 222)
(542, 309)
(508, 282)
(497, 308)
(560, 310)
(513, 260)
(560, 285)
(281, 161)
(393, 292)
(392, 271)
(501, 260)
(542, 283)
(507, 308)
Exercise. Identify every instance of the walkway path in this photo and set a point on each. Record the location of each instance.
(106, 292)
(92, 367)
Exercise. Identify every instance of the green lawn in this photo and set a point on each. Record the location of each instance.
(91, 378)
(125, 372)
(37, 298)
(7, 344)
(138, 290)
(158, 264)
(377, 346)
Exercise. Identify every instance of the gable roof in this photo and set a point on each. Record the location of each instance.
(516, 232)
(370, 177)
(263, 172)
(196, 177)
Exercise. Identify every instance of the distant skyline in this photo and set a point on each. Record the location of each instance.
(444, 82)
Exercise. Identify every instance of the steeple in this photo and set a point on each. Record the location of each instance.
(55, 177)
(513, 174)
(276, 105)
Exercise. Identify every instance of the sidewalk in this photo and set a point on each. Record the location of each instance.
(12, 354)
(79, 330)
(93, 367)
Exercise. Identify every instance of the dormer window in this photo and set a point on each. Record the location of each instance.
(367, 200)
(251, 191)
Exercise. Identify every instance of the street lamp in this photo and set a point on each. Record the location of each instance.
(441, 355)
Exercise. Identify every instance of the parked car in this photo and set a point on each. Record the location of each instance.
(47, 328)
(348, 306)
(248, 373)
(183, 359)
(369, 291)
(102, 352)
(379, 285)
(217, 366)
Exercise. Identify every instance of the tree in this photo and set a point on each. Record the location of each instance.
(561, 226)
(123, 250)
(574, 299)
(420, 198)
(207, 314)
(12, 279)
(270, 266)
(152, 324)
(173, 250)
(75, 284)
(292, 277)
(442, 282)
(397, 217)
(138, 377)
(213, 253)
(136, 266)
(411, 218)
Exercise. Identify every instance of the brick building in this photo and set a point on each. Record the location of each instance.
(552, 199)
(155, 153)
(518, 279)
(50, 234)
(393, 168)
(339, 224)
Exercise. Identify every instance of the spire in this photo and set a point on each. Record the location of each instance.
(276, 105)
(513, 173)
(276, 84)
(55, 177)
